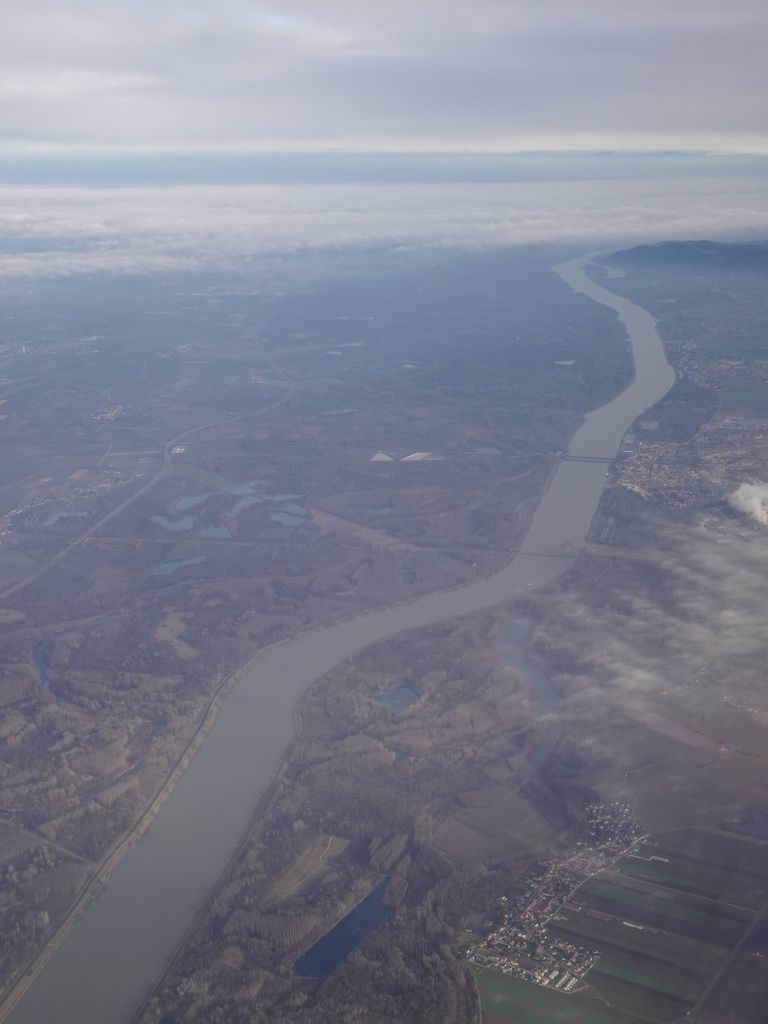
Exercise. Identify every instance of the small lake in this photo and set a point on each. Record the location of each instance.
(339, 942)
(243, 504)
(168, 568)
(242, 488)
(214, 532)
(190, 501)
(399, 697)
(286, 519)
(546, 700)
(185, 523)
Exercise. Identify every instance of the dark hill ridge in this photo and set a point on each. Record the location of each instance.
(701, 256)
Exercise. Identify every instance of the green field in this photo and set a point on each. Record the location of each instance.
(14, 565)
(525, 1003)
(698, 879)
(706, 864)
(719, 926)
(638, 999)
(698, 957)
(732, 853)
(748, 344)
(744, 984)
(684, 988)
(744, 396)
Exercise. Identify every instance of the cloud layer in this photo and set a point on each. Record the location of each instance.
(515, 73)
(695, 628)
(49, 232)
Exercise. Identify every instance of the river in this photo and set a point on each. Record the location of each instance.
(103, 969)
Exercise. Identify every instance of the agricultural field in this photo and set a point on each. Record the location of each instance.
(656, 974)
(514, 999)
(665, 912)
(479, 834)
(650, 974)
(749, 343)
(661, 950)
(742, 856)
(607, 935)
(663, 930)
(705, 863)
(744, 396)
(639, 998)
(739, 995)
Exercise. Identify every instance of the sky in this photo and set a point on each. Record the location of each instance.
(140, 137)
(405, 75)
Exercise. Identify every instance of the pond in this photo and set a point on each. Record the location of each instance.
(185, 523)
(293, 509)
(240, 488)
(190, 501)
(399, 696)
(214, 532)
(286, 519)
(546, 699)
(168, 568)
(243, 504)
(339, 942)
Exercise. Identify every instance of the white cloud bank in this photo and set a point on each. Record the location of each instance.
(52, 232)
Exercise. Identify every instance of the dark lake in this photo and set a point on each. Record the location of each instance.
(345, 936)
(168, 568)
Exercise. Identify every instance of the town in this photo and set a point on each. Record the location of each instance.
(523, 944)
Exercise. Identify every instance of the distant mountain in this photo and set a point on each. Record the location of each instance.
(700, 256)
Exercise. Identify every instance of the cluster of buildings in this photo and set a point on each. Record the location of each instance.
(523, 944)
(697, 473)
(610, 828)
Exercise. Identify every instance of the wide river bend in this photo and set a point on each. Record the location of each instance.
(104, 967)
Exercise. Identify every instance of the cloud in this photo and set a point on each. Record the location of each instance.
(66, 84)
(49, 232)
(692, 624)
(203, 72)
(752, 499)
